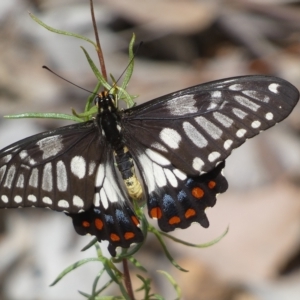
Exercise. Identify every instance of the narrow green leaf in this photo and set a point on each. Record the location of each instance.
(127, 98)
(205, 245)
(45, 116)
(84, 294)
(173, 282)
(90, 244)
(73, 267)
(167, 253)
(96, 71)
(130, 68)
(136, 263)
(146, 286)
(37, 20)
(105, 286)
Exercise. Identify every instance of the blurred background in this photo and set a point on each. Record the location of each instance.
(185, 43)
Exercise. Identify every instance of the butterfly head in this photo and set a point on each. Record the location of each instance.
(105, 102)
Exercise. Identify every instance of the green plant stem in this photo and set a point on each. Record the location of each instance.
(127, 279)
(99, 49)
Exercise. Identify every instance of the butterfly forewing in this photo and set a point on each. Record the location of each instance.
(198, 127)
(55, 169)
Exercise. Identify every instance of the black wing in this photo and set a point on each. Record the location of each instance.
(198, 127)
(175, 199)
(111, 217)
(70, 169)
(54, 169)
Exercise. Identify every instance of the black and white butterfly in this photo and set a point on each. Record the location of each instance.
(178, 143)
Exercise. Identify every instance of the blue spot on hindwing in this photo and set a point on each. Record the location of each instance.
(182, 196)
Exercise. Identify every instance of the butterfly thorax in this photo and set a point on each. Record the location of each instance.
(108, 120)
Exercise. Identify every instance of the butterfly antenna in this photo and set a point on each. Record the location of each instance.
(45, 67)
(130, 62)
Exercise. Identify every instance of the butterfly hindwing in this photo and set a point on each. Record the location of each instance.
(173, 198)
(198, 127)
(111, 217)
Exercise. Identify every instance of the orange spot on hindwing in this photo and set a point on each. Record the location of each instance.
(86, 224)
(190, 213)
(211, 184)
(197, 192)
(98, 224)
(114, 237)
(174, 220)
(156, 213)
(129, 235)
(135, 220)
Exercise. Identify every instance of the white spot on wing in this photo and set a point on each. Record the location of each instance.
(212, 105)
(47, 200)
(34, 178)
(97, 199)
(182, 105)
(194, 135)
(92, 166)
(47, 181)
(2, 172)
(18, 199)
(213, 156)
(10, 176)
(32, 198)
(241, 132)
(160, 177)
(216, 94)
(23, 154)
(236, 87)
(224, 120)
(61, 176)
(170, 137)
(269, 116)
(227, 144)
(20, 181)
(256, 95)
(171, 178)
(255, 124)
(4, 198)
(179, 174)
(100, 175)
(63, 204)
(103, 199)
(273, 87)
(147, 172)
(157, 157)
(77, 201)
(159, 146)
(6, 158)
(78, 166)
(198, 163)
(239, 113)
(50, 146)
(110, 187)
(246, 102)
(213, 131)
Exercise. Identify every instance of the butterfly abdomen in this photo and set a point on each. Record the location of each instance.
(126, 167)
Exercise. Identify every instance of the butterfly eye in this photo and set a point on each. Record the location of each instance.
(96, 100)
